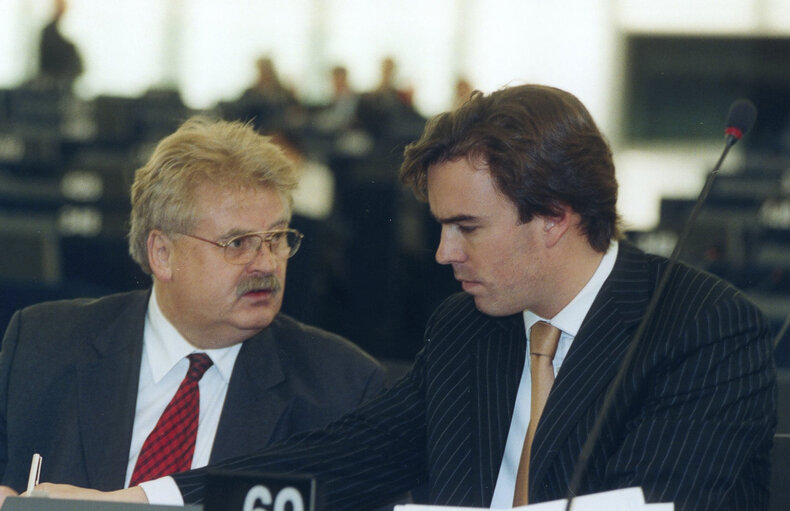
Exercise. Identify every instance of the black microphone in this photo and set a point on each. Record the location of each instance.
(740, 121)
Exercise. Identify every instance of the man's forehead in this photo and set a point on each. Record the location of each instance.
(241, 194)
(263, 201)
(455, 188)
(454, 210)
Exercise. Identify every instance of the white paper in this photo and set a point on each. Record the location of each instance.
(628, 499)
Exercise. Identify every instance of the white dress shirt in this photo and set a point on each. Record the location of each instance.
(164, 365)
(569, 320)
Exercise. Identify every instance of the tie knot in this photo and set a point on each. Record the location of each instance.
(198, 364)
(543, 339)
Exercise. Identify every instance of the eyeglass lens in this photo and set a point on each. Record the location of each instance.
(244, 248)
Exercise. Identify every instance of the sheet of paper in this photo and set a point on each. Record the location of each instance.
(628, 499)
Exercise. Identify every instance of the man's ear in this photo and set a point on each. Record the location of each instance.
(555, 227)
(160, 252)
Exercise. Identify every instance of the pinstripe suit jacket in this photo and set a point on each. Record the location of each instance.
(693, 423)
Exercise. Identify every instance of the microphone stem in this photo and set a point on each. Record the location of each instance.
(589, 444)
(782, 331)
(703, 195)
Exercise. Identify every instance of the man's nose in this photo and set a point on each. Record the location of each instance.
(449, 250)
(265, 259)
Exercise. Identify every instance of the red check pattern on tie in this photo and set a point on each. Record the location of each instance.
(171, 444)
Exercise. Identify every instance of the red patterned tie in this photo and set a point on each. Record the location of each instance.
(171, 444)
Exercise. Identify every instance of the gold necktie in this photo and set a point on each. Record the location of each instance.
(543, 339)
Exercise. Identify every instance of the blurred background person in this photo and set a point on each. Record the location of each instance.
(268, 102)
(267, 85)
(463, 89)
(59, 59)
(339, 113)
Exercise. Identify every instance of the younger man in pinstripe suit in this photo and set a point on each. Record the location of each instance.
(523, 185)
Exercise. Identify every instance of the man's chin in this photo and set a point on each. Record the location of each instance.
(245, 329)
(482, 305)
(491, 308)
(257, 315)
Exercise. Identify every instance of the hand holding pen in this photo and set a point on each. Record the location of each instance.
(32, 481)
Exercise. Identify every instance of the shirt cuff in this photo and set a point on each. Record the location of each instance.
(163, 491)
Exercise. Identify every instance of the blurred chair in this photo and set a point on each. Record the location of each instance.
(115, 120)
(29, 262)
(30, 249)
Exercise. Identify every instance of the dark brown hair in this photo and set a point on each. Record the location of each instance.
(542, 148)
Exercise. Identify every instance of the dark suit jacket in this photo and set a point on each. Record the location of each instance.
(69, 374)
(693, 424)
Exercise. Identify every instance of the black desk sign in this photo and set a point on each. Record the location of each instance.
(247, 491)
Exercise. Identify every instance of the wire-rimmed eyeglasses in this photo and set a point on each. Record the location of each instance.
(244, 248)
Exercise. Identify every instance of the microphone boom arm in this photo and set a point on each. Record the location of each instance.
(742, 115)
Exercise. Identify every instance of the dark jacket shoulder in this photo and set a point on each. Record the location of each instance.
(63, 322)
(80, 310)
(693, 286)
(319, 351)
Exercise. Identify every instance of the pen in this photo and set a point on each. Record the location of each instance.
(35, 472)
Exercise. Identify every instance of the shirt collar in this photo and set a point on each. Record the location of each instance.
(164, 346)
(570, 318)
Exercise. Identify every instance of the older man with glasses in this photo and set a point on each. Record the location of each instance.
(130, 387)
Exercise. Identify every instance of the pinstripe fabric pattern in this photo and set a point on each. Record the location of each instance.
(692, 424)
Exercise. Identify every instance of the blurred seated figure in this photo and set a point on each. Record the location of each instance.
(387, 113)
(387, 89)
(267, 103)
(267, 86)
(339, 114)
(463, 91)
(318, 273)
(315, 195)
(59, 59)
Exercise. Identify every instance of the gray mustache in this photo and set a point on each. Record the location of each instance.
(259, 283)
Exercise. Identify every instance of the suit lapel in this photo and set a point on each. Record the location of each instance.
(253, 406)
(107, 398)
(593, 359)
(499, 362)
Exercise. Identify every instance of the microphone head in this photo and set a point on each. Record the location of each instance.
(740, 120)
